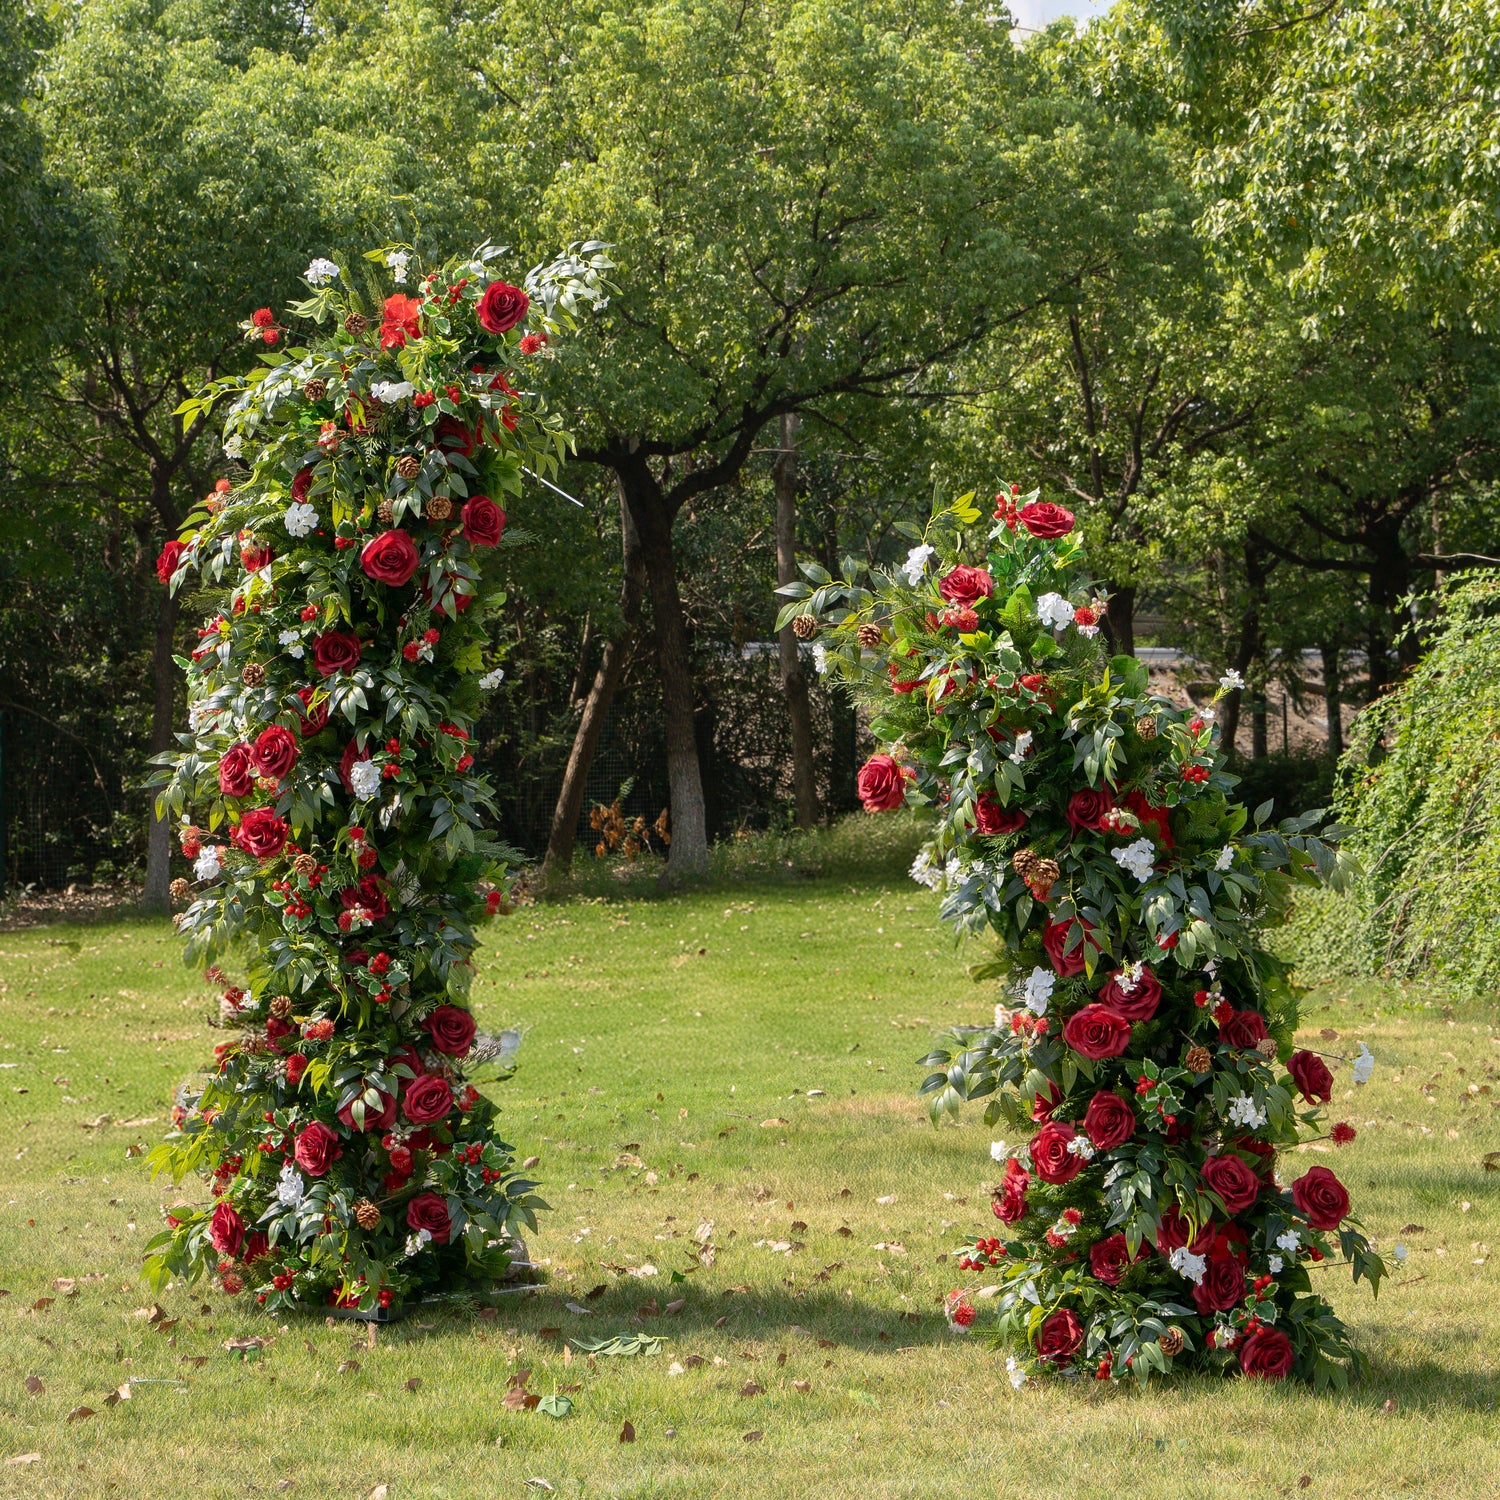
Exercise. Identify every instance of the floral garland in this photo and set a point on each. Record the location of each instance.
(1086, 825)
(339, 852)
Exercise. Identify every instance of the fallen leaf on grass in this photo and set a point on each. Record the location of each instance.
(1492, 1161)
(743, 1289)
(196, 1360)
(692, 1361)
(379, 1492)
(518, 1380)
(556, 1405)
(622, 1344)
(675, 1307)
(774, 1121)
(530, 1162)
(489, 1313)
(80, 1413)
(753, 1437)
(593, 1292)
(539, 1484)
(517, 1399)
(42, 1304)
(804, 1386)
(675, 1368)
(825, 1343)
(119, 1394)
(548, 1333)
(242, 1347)
(751, 1389)
(1329, 1034)
(1413, 1229)
(1389, 1407)
(414, 1383)
(799, 1226)
(66, 1285)
(627, 1433)
(888, 1198)
(349, 1367)
(720, 1322)
(844, 1232)
(583, 1312)
(23, 1458)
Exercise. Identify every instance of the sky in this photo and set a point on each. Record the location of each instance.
(1037, 13)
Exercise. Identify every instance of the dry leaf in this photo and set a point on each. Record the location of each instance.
(804, 1386)
(196, 1360)
(530, 1162)
(594, 1292)
(1329, 1034)
(244, 1346)
(753, 1437)
(582, 1312)
(23, 1458)
(379, 1492)
(751, 1389)
(692, 1361)
(489, 1313)
(42, 1304)
(66, 1285)
(675, 1368)
(798, 1226)
(119, 1394)
(80, 1413)
(676, 1307)
(825, 1343)
(720, 1322)
(539, 1484)
(844, 1231)
(774, 1121)
(349, 1367)
(548, 1333)
(1303, 1483)
(1389, 1407)
(518, 1380)
(414, 1383)
(567, 1354)
(627, 1433)
(35, 1386)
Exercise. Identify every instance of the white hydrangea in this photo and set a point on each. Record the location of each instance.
(398, 260)
(364, 777)
(321, 271)
(820, 658)
(916, 564)
(491, 680)
(1290, 1241)
(1243, 1110)
(1364, 1064)
(389, 392)
(1081, 1147)
(1226, 857)
(1137, 858)
(1016, 1373)
(415, 1242)
(207, 865)
(300, 519)
(1022, 746)
(292, 641)
(290, 1188)
(1037, 990)
(1274, 1263)
(1231, 681)
(1185, 1263)
(1054, 611)
(924, 872)
(999, 1151)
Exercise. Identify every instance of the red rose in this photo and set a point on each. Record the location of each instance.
(1060, 1337)
(501, 307)
(275, 752)
(882, 784)
(1172, 1230)
(1243, 1028)
(1042, 1105)
(390, 558)
(236, 771)
(451, 1029)
(1066, 956)
(1267, 1355)
(277, 1028)
(302, 484)
(1109, 1259)
(317, 1148)
(1043, 519)
(257, 1244)
(373, 1121)
(261, 833)
(454, 436)
(166, 564)
(1233, 1181)
(484, 521)
(1152, 818)
(1321, 1196)
(401, 321)
(1310, 1074)
(966, 586)
(335, 651)
(1222, 1287)
(1263, 1151)
(1109, 1121)
(1137, 1001)
(226, 1230)
(1097, 1032)
(296, 1066)
(1010, 1204)
(370, 894)
(429, 1211)
(428, 1099)
(1087, 810)
(991, 819)
(313, 718)
(1050, 1155)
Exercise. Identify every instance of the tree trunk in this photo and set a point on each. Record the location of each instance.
(653, 521)
(1258, 748)
(1250, 651)
(596, 706)
(164, 677)
(1333, 706)
(793, 678)
(1119, 620)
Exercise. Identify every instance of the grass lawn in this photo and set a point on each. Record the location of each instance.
(735, 1066)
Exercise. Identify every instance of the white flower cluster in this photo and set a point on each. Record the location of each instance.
(999, 1151)
(1137, 858)
(1054, 611)
(1185, 1263)
(290, 1188)
(389, 392)
(1016, 1373)
(491, 680)
(820, 658)
(1243, 1110)
(1231, 681)
(398, 260)
(916, 564)
(1290, 1241)
(415, 1242)
(1226, 857)
(292, 641)
(1129, 978)
(364, 777)
(1274, 1263)
(207, 865)
(1063, 1230)
(924, 872)
(1364, 1064)
(321, 271)
(1022, 746)
(1037, 990)
(1081, 1147)
(234, 446)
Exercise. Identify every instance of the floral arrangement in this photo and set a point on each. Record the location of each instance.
(326, 788)
(1087, 827)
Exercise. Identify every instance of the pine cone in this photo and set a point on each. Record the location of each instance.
(305, 866)
(1025, 862)
(1043, 876)
(439, 508)
(1198, 1060)
(386, 512)
(805, 627)
(870, 636)
(1146, 729)
(367, 1216)
(1266, 1046)
(281, 1007)
(254, 675)
(1171, 1342)
(409, 466)
(179, 889)
(315, 389)
(355, 324)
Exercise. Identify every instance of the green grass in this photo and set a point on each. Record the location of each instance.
(680, 1034)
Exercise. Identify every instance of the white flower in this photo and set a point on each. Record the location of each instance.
(397, 260)
(492, 680)
(1002, 1016)
(1183, 1261)
(1364, 1064)
(999, 1151)
(1231, 681)
(300, 519)
(414, 1242)
(1022, 746)
(820, 658)
(1211, 968)
(1290, 1241)
(916, 564)
(290, 1187)
(1016, 1373)
(1226, 857)
(234, 446)
(292, 640)
(1275, 1263)
(389, 392)
(364, 777)
(207, 866)
(1081, 1147)
(924, 872)
(1037, 990)
(1398, 1254)
(321, 271)
(1054, 611)
(1243, 1110)
(1137, 859)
